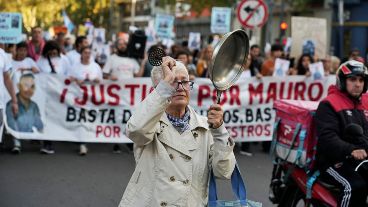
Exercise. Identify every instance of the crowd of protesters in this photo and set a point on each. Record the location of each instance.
(37, 55)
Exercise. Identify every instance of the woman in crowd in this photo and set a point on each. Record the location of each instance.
(52, 60)
(204, 61)
(302, 67)
(335, 62)
(83, 72)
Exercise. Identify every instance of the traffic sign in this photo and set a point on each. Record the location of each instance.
(252, 13)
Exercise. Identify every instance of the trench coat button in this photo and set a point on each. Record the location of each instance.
(187, 158)
(171, 156)
(195, 134)
(185, 182)
(172, 178)
(163, 203)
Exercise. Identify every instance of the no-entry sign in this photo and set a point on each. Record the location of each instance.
(252, 13)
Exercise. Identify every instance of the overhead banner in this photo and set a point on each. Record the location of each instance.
(309, 36)
(164, 25)
(10, 28)
(59, 109)
(220, 20)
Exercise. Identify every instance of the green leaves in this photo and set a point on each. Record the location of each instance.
(47, 13)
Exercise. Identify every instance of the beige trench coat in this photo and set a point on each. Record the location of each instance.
(171, 168)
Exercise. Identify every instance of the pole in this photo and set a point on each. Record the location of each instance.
(153, 7)
(133, 13)
(111, 13)
(268, 27)
(341, 28)
(282, 32)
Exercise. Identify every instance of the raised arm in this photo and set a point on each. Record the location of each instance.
(142, 125)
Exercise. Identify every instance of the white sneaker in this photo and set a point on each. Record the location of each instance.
(16, 150)
(47, 151)
(83, 149)
(248, 154)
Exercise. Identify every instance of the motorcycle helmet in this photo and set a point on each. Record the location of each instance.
(348, 69)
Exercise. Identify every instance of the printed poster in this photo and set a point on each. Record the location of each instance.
(194, 40)
(281, 67)
(10, 28)
(164, 25)
(317, 71)
(220, 20)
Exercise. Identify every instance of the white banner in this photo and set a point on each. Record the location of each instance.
(65, 111)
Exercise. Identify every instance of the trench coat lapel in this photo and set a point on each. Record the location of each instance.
(184, 142)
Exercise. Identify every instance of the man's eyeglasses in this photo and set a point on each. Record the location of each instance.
(187, 85)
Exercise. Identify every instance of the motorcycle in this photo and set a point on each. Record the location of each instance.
(289, 183)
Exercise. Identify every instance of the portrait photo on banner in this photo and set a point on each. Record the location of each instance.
(28, 119)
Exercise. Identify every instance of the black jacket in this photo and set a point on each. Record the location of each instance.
(333, 115)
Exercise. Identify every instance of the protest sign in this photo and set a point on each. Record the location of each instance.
(194, 40)
(309, 36)
(151, 35)
(220, 20)
(164, 25)
(10, 28)
(101, 52)
(99, 35)
(287, 47)
(317, 71)
(281, 67)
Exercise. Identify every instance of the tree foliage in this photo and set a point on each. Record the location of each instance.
(199, 5)
(46, 13)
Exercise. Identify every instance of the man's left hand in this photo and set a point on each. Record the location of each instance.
(15, 109)
(215, 116)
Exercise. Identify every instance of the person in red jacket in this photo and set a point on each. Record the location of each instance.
(339, 153)
(36, 44)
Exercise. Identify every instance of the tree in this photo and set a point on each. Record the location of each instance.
(35, 12)
(47, 13)
(199, 5)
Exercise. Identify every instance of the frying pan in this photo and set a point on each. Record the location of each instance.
(228, 58)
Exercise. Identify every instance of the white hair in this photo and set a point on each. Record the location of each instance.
(157, 74)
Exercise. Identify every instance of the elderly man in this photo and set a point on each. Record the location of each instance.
(174, 146)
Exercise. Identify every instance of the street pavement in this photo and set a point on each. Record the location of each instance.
(98, 179)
